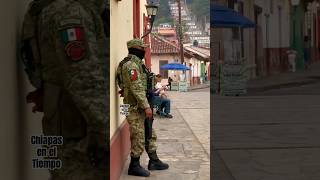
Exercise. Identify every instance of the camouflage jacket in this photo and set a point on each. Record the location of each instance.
(134, 83)
(72, 47)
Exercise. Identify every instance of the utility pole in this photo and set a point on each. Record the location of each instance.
(180, 33)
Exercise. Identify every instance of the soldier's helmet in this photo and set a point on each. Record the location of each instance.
(136, 43)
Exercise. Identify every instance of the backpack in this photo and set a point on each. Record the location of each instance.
(119, 77)
(29, 51)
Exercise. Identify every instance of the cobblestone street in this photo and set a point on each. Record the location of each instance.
(183, 141)
(271, 134)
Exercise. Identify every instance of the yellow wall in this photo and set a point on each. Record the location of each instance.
(17, 123)
(121, 30)
(166, 57)
(8, 90)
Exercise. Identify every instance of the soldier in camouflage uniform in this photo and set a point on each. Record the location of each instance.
(66, 46)
(134, 87)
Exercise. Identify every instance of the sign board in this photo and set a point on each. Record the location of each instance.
(183, 86)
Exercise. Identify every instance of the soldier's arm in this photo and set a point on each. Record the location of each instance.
(79, 45)
(132, 76)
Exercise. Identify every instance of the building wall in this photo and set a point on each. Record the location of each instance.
(275, 38)
(195, 68)
(248, 38)
(121, 15)
(121, 30)
(311, 25)
(8, 90)
(296, 41)
(155, 66)
(195, 71)
(275, 41)
(156, 58)
(17, 123)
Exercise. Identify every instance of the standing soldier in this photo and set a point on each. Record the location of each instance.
(64, 51)
(132, 78)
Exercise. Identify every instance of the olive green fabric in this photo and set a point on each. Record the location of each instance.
(135, 87)
(135, 42)
(134, 90)
(76, 90)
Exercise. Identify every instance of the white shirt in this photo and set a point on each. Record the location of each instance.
(158, 85)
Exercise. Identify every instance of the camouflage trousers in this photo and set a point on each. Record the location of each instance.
(76, 165)
(137, 134)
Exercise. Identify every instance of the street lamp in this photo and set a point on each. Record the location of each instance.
(152, 9)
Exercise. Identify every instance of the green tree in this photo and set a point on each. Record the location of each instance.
(201, 9)
(181, 31)
(163, 14)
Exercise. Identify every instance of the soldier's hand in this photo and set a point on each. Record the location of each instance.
(148, 113)
(121, 93)
(36, 97)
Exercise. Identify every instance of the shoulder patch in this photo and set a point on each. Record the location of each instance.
(72, 34)
(75, 50)
(73, 40)
(133, 74)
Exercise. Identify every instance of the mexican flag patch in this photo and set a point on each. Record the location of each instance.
(72, 34)
(73, 39)
(133, 74)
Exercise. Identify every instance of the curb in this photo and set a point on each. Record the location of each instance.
(281, 85)
(200, 87)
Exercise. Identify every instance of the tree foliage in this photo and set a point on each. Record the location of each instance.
(163, 14)
(200, 8)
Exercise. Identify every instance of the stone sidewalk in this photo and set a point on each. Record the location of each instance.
(285, 80)
(199, 86)
(266, 137)
(185, 147)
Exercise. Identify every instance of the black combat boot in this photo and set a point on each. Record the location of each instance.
(135, 169)
(155, 163)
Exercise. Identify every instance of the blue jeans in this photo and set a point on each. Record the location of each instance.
(306, 55)
(163, 104)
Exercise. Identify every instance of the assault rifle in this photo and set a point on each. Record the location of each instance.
(148, 122)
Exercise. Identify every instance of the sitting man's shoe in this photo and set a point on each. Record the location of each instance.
(136, 170)
(155, 163)
(168, 116)
(162, 114)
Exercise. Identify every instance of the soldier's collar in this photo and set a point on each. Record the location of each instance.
(135, 57)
